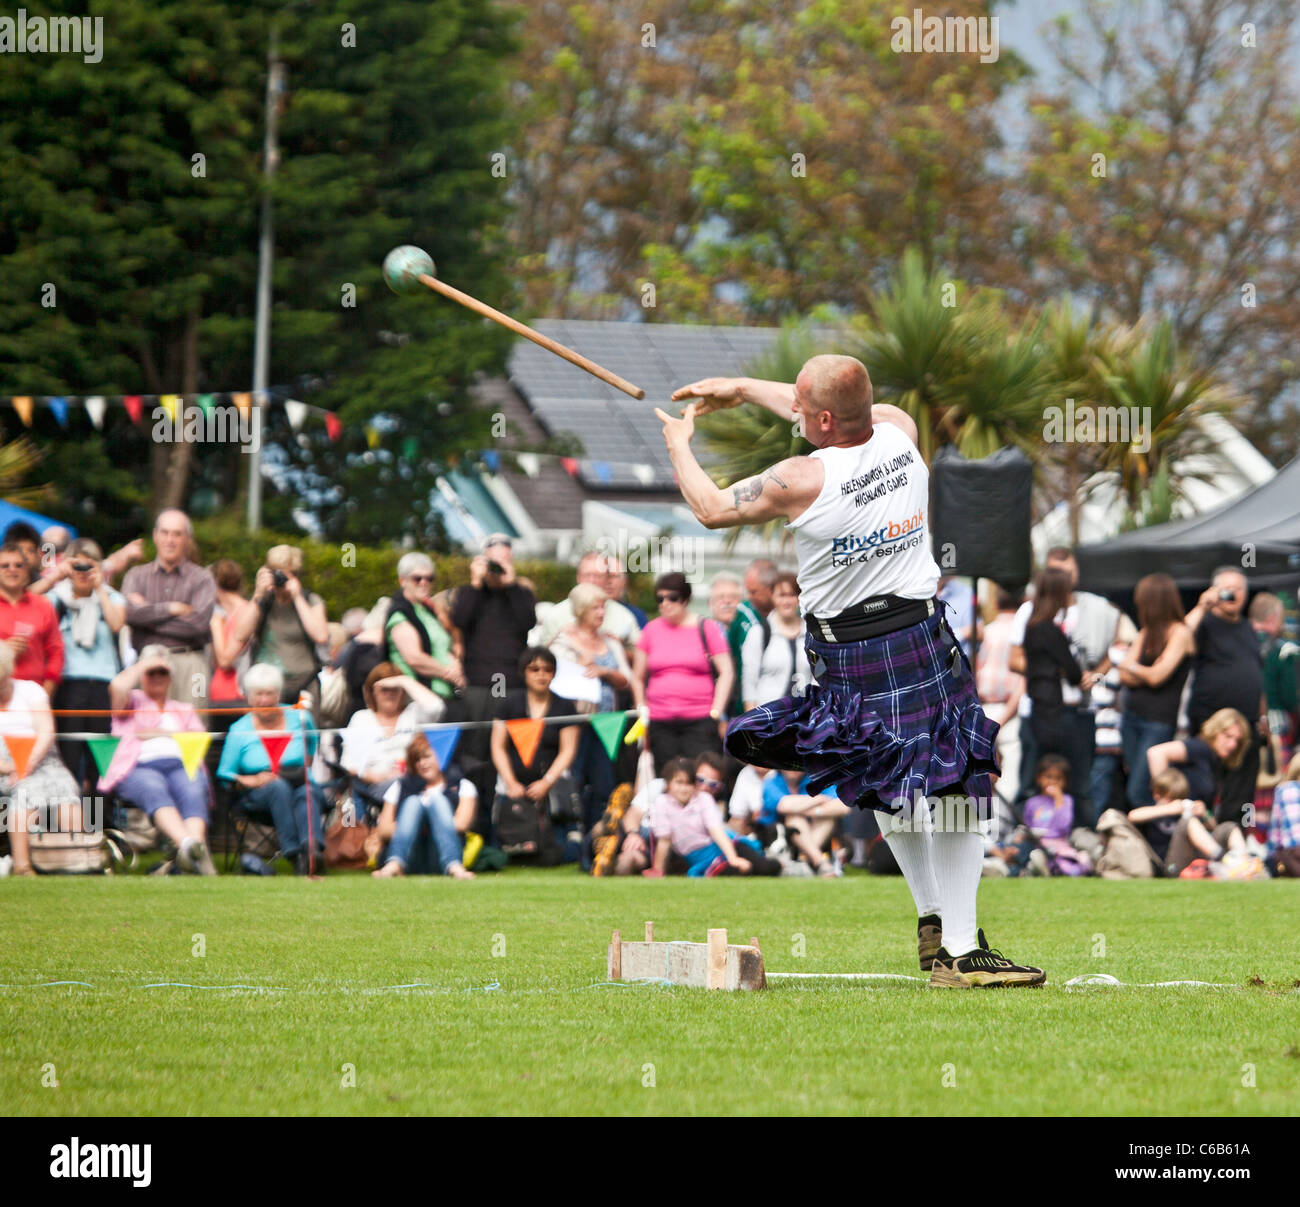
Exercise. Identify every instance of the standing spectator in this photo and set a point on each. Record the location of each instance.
(779, 667)
(724, 599)
(417, 642)
(230, 658)
(1049, 660)
(282, 793)
(28, 623)
(760, 576)
(1001, 689)
(614, 584)
(682, 674)
(147, 768)
(619, 623)
(1226, 673)
(286, 624)
(1154, 671)
(1089, 622)
(959, 596)
(1281, 659)
(1108, 757)
(362, 654)
(54, 547)
(91, 615)
(169, 602)
(28, 542)
(494, 613)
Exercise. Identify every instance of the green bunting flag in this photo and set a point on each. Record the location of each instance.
(609, 728)
(101, 750)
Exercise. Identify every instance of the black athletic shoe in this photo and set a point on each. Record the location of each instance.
(929, 940)
(982, 968)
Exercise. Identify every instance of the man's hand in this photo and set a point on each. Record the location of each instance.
(741, 864)
(477, 571)
(136, 599)
(263, 584)
(177, 608)
(678, 432)
(17, 643)
(713, 393)
(293, 586)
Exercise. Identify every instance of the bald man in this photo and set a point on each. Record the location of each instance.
(893, 720)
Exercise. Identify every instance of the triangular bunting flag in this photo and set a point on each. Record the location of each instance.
(333, 426)
(609, 728)
(570, 466)
(443, 742)
(23, 405)
(644, 474)
(636, 733)
(410, 446)
(275, 744)
(243, 401)
(193, 747)
(132, 404)
(525, 735)
(95, 409)
(208, 403)
(604, 474)
(20, 750)
(169, 403)
(59, 405)
(530, 463)
(492, 460)
(102, 750)
(372, 436)
(296, 411)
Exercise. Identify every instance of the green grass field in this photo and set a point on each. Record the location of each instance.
(532, 1029)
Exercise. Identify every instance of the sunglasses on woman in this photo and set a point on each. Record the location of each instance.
(667, 597)
(705, 782)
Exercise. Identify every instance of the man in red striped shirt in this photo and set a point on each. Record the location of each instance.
(28, 624)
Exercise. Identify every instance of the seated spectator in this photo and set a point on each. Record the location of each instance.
(688, 823)
(773, 660)
(418, 640)
(147, 769)
(682, 674)
(746, 802)
(1207, 761)
(286, 624)
(424, 805)
(1282, 854)
(809, 820)
(557, 748)
(1049, 816)
(230, 657)
(46, 782)
(376, 738)
(90, 616)
(284, 794)
(1175, 825)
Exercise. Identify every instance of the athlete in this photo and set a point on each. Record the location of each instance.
(893, 720)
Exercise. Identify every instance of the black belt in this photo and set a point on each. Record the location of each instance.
(872, 617)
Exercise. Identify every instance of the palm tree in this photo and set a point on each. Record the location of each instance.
(17, 459)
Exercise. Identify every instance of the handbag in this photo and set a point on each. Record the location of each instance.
(518, 825)
(565, 802)
(345, 845)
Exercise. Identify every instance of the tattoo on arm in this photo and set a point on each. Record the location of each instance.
(749, 490)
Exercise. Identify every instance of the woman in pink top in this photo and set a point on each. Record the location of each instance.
(147, 769)
(682, 674)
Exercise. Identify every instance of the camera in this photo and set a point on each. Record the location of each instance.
(1225, 594)
(279, 577)
(82, 567)
(496, 568)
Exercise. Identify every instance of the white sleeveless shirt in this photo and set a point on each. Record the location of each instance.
(866, 533)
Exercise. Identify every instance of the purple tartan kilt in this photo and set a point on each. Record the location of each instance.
(886, 719)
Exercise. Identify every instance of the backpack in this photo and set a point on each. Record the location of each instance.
(1128, 856)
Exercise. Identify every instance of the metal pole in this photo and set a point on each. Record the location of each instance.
(266, 253)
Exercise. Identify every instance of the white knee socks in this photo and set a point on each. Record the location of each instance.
(911, 847)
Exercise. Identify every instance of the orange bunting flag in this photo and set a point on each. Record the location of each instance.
(275, 744)
(20, 750)
(525, 735)
(193, 747)
(243, 401)
(23, 405)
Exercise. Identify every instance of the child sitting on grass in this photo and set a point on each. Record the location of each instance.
(1049, 818)
(1176, 827)
(688, 822)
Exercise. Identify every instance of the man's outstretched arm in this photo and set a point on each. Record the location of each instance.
(719, 393)
(782, 492)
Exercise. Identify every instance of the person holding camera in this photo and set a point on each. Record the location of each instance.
(286, 624)
(1226, 673)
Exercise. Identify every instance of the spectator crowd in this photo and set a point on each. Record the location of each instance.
(456, 726)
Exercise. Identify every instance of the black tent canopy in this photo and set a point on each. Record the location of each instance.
(1259, 532)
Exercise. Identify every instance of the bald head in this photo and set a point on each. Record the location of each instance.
(838, 385)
